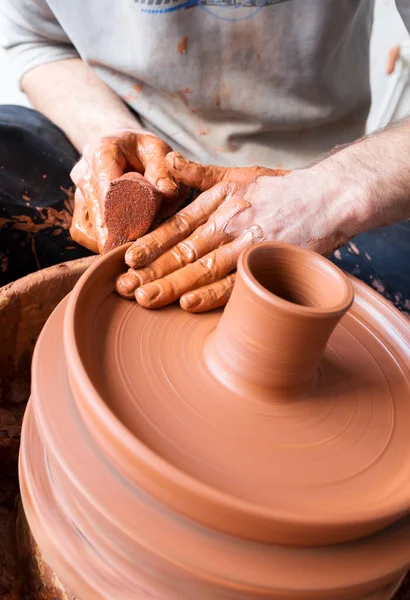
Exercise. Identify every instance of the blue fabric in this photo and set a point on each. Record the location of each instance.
(381, 258)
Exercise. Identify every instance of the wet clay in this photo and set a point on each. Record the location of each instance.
(183, 44)
(130, 207)
(133, 151)
(392, 59)
(259, 452)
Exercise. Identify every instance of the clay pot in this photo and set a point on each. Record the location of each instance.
(256, 452)
(25, 305)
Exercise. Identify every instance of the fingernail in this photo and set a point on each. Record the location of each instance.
(178, 161)
(190, 301)
(137, 256)
(167, 186)
(147, 295)
(126, 284)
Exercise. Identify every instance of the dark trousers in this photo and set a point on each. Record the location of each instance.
(36, 194)
(36, 203)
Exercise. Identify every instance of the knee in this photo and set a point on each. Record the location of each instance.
(20, 125)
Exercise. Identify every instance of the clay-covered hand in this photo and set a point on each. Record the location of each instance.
(193, 256)
(112, 208)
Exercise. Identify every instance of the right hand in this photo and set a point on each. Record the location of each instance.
(192, 256)
(108, 159)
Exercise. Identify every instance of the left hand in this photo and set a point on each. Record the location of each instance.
(103, 163)
(193, 256)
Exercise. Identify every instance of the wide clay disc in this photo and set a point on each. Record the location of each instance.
(328, 466)
(132, 546)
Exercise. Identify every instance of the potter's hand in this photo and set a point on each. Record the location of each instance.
(209, 233)
(192, 256)
(107, 160)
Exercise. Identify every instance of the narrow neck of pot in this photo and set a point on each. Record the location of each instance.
(285, 304)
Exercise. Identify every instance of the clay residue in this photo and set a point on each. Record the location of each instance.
(352, 246)
(10, 427)
(4, 262)
(183, 44)
(392, 58)
(50, 217)
(184, 93)
(10, 576)
(378, 285)
(10, 580)
(134, 93)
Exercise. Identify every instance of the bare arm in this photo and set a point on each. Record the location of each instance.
(377, 169)
(71, 95)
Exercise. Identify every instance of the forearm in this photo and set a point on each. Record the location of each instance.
(72, 96)
(374, 177)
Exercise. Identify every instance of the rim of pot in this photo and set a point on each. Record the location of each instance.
(323, 268)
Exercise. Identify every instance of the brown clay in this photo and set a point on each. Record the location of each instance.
(10, 426)
(130, 207)
(105, 163)
(25, 305)
(392, 58)
(41, 581)
(10, 580)
(183, 44)
(232, 455)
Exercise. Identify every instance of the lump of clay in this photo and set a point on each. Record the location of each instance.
(130, 208)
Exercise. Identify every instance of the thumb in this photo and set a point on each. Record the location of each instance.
(153, 151)
(81, 229)
(194, 175)
(203, 177)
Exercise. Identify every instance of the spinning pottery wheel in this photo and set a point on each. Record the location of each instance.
(239, 454)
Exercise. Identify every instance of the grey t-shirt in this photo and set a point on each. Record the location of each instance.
(271, 82)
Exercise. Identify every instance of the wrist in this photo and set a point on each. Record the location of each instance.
(376, 177)
(335, 203)
(353, 192)
(113, 128)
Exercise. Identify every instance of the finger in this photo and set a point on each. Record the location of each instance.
(192, 174)
(209, 297)
(152, 152)
(78, 171)
(203, 240)
(126, 284)
(108, 163)
(212, 267)
(176, 229)
(93, 174)
(81, 229)
(203, 177)
(87, 192)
